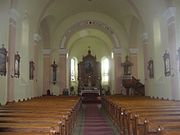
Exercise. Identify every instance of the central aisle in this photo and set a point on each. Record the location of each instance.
(93, 121)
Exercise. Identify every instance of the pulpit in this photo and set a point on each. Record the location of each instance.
(89, 74)
(131, 83)
(127, 77)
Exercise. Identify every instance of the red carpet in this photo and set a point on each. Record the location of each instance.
(95, 122)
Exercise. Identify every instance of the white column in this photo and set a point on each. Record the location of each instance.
(14, 15)
(170, 17)
(145, 50)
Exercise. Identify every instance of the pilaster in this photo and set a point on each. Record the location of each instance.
(46, 69)
(63, 69)
(117, 70)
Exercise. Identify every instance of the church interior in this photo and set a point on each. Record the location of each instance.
(89, 67)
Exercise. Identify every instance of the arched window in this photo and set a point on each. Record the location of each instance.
(105, 70)
(73, 69)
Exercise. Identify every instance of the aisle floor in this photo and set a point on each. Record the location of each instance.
(92, 120)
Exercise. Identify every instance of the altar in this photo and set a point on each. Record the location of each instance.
(89, 75)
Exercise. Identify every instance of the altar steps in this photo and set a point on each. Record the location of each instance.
(91, 98)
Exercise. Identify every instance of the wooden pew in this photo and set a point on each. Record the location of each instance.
(47, 115)
(143, 115)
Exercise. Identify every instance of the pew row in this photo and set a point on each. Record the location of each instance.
(143, 115)
(45, 115)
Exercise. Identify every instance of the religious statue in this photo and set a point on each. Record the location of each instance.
(151, 69)
(54, 72)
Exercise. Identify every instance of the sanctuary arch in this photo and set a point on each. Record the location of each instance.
(117, 51)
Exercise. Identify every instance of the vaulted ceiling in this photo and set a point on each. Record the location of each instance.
(123, 11)
(56, 12)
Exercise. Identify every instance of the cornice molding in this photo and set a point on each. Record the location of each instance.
(117, 50)
(36, 37)
(134, 50)
(13, 13)
(145, 38)
(63, 51)
(46, 51)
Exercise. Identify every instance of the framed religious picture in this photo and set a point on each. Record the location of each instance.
(151, 69)
(54, 72)
(88, 67)
(31, 70)
(3, 59)
(16, 65)
(167, 64)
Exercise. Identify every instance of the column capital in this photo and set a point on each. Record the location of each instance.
(46, 51)
(117, 50)
(144, 38)
(63, 51)
(13, 13)
(134, 50)
(36, 37)
(170, 12)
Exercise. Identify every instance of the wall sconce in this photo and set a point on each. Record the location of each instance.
(3, 60)
(17, 65)
(54, 72)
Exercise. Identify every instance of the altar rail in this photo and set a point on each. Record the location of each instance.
(90, 92)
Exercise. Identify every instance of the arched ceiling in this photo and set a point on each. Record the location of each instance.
(120, 10)
(116, 8)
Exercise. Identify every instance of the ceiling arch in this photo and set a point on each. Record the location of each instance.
(92, 33)
(99, 21)
(95, 26)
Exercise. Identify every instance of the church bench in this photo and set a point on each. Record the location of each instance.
(150, 125)
(53, 119)
(25, 133)
(38, 118)
(49, 112)
(151, 116)
(120, 110)
(160, 128)
(28, 127)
